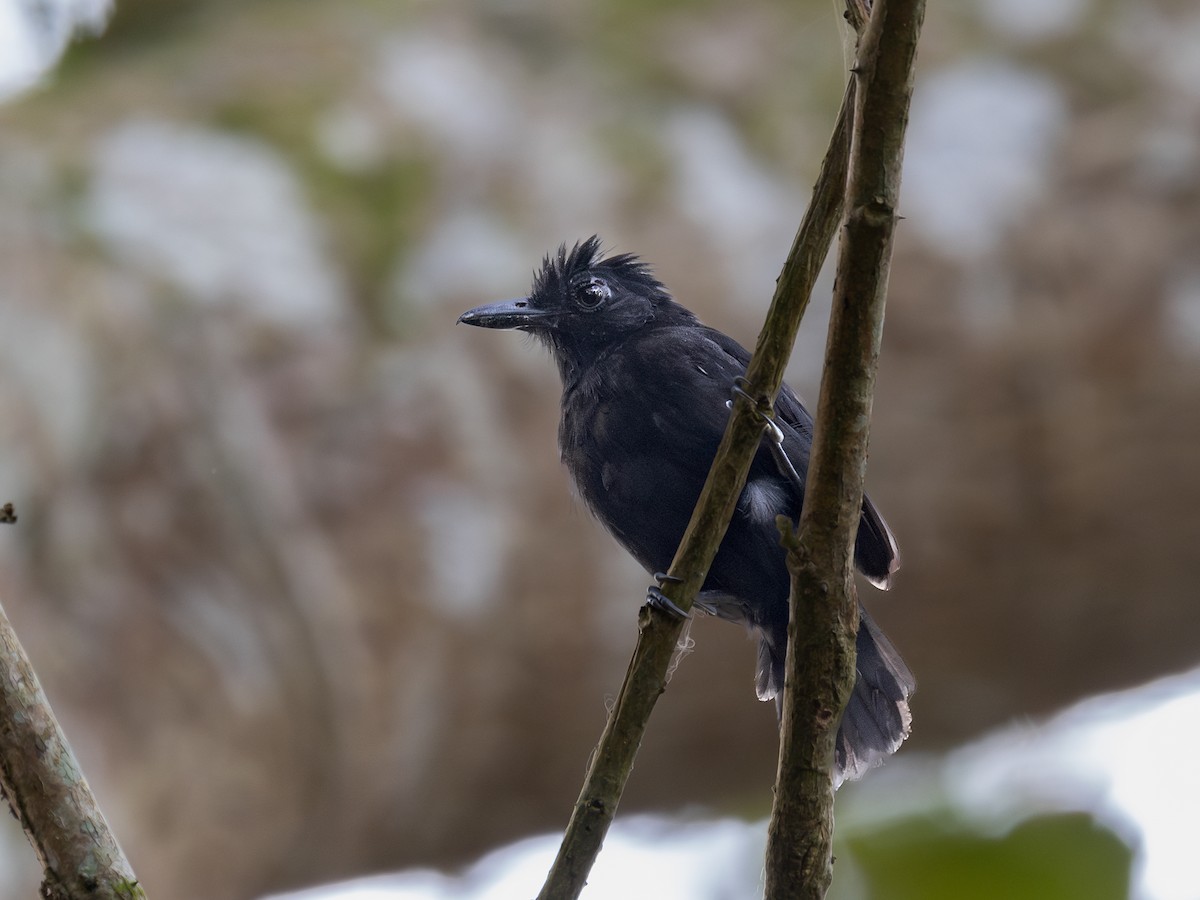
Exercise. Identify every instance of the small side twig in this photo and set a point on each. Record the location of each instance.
(48, 794)
(8, 515)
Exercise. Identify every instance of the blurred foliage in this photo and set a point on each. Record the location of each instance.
(141, 22)
(370, 210)
(1060, 857)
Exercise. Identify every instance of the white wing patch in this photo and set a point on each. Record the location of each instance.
(763, 499)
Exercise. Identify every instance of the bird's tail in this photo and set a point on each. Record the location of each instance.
(877, 719)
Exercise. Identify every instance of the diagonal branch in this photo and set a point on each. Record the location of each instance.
(659, 633)
(48, 794)
(820, 672)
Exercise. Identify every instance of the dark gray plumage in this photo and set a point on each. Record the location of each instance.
(645, 386)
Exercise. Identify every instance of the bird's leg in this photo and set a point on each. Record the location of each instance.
(656, 598)
(773, 432)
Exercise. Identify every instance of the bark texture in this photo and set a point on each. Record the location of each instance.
(48, 794)
(820, 670)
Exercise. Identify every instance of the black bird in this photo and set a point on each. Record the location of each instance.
(645, 386)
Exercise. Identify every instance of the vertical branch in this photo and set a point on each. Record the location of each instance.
(820, 670)
(48, 794)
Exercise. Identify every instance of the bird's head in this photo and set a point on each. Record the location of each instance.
(580, 303)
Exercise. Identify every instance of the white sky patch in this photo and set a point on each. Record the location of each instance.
(35, 33)
(50, 368)
(1110, 755)
(643, 856)
(1105, 755)
(1171, 44)
(1034, 19)
(1179, 58)
(208, 618)
(220, 216)
(1169, 154)
(46, 406)
(451, 91)
(737, 201)
(351, 137)
(438, 271)
(20, 62)
(1181, 319)
(467, 542)
(573, 185)
(979, 145)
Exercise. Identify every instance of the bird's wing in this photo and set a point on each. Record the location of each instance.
(640, 432)
(876, 551)
(683, 376)
(791, 415)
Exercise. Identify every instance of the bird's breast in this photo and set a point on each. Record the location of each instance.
(585, 443)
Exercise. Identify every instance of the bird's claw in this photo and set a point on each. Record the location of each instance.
(772, 430)
(659, 600)
(766, 416)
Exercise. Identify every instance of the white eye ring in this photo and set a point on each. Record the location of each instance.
(592, 293)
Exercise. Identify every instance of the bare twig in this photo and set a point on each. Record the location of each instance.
(659, 633)
(820, 670)
(41, 780)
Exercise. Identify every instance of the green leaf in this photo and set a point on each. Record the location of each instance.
(1058, 857)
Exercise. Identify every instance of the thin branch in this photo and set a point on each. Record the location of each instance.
(659, 633)
(820, 669)
(48, 794)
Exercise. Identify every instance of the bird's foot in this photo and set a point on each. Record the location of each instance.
(656, 598)
(765, 416)
(772, 431)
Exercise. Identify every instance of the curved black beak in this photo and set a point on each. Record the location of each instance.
(505, 314)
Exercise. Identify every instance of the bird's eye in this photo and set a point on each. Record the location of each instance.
(592, 293)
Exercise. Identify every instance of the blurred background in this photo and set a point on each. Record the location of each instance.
(296, 560)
